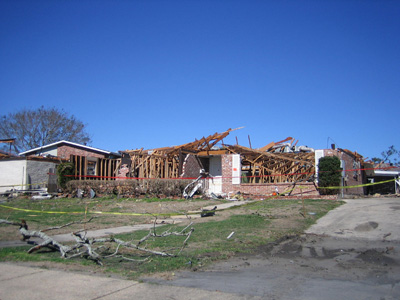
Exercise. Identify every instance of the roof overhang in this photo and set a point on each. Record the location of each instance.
(67, 143)
(384, 173)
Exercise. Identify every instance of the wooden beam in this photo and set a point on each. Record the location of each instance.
(212, 152)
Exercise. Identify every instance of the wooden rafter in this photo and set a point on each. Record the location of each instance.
(264, 164)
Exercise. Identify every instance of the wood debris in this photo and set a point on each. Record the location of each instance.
(281, 161)
(276, 162)
(167, 162)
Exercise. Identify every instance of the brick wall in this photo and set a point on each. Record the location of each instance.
(265, 189)
(191, 167)
(66, 151)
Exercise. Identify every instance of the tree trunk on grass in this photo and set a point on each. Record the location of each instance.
(92, 248)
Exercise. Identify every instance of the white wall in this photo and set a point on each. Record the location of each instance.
(215, 182)
(318, 154)
(12, 174)
(236, 169)
(50, 150)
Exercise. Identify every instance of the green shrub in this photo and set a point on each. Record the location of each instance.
(64, 170)
(329, 174)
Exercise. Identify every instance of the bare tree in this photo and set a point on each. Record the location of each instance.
(390, 156)
(36, 128)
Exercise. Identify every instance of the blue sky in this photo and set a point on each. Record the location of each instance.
(161, 73)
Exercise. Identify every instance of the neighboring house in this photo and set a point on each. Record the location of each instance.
(89, 162)
(64, 150)
(26, 173)
(382, 173)
(36, 168)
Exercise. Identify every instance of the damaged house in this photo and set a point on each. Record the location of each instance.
(281, 167)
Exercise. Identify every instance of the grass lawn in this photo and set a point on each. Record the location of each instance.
(250, 226)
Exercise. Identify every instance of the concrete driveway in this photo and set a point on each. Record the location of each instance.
(371, 219)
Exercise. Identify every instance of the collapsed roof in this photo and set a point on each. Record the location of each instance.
(276, 162)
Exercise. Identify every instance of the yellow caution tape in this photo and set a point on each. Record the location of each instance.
(40, 211)
(128, 214)
(83, 212)
(356, 186)
(11, 185)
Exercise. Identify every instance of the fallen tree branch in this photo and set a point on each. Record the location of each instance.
(2, 221)
(85, 247)
(68, 224)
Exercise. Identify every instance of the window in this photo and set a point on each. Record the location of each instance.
(91, 166)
